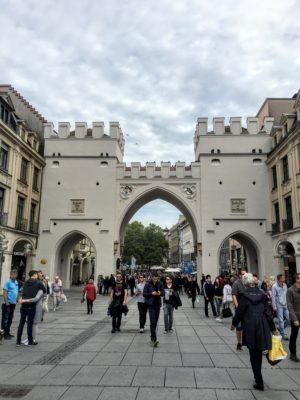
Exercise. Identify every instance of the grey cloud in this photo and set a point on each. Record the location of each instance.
(154, 66)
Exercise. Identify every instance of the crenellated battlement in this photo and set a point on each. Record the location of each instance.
(234, 127)
(164, 171)
(82, 131)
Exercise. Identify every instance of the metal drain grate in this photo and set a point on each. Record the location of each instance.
(14, 392)
(57, 355)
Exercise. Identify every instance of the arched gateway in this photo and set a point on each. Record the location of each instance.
(89, 191)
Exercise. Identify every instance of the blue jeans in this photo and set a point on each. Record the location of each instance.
(168, 315)
(29, 313)
(283, 318)
(7, 317)
(153, 316)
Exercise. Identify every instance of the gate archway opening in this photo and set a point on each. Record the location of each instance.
(288, 261)
(239, 250)
(21, 258)
(187, 221)
(75, 259)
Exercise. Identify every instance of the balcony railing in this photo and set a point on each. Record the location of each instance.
(4, 219)
(287, 224)
(275, 228)
(21, 224)
(33, 227)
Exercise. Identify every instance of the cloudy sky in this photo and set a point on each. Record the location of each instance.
(155, 66)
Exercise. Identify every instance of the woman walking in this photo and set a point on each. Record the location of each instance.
(57, 291)
(90, 292)
(194, 290)
(118, 297)
(257, 322)
(227, 298)
(142, 305)
(168, 304)
(218, 292)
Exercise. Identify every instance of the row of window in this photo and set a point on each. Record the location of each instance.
(21, 223)
(285, 171)
(288, 222)
(4, 154)
(8, 117)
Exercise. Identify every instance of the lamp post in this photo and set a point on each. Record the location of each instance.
(3, 247)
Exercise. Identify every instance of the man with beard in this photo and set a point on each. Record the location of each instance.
(118, 298)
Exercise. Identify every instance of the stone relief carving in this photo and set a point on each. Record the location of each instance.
(189, 190)
(126, 190)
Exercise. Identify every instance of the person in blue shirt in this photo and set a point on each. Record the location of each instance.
(10, 297)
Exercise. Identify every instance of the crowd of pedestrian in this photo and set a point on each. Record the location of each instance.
(254, 305)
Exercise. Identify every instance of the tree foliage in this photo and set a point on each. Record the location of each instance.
(147, 244)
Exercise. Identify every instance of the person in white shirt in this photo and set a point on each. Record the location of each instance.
(279, 304)
(227, 298)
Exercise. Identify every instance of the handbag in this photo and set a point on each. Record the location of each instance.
(82, 299)
(226, 312)
(64, 298)
(277, 353)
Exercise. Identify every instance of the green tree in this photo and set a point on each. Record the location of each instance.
(134, 242)
(147, 244)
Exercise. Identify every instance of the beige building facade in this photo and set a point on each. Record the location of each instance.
(21, 167)
(284, 182)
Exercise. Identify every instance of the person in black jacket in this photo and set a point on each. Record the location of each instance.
(153, 291)
(257, 323)
(194, 290)
(27, 310)
(209, 296)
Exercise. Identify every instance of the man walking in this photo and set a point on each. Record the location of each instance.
(153, 291)
(238, 288)
(293, 303)
(208, 292)
(279, 291)
(10, 295)
(27, 311)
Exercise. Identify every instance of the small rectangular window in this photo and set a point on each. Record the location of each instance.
(274, 177)
(2, 192)
(32, 224)
(35, 180)
(285, 168)
(4, 156)
(23, 174)
(20, 223)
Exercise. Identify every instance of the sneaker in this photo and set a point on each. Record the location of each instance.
(171, 330)
(113, 330)
(25, 342)
(285, 337)
(165, 331)
(142, 330)
(294, 357)
(258, 387)
(118, 329)
(32, 343)
(219, 319)
(155, 343)
(239, 346)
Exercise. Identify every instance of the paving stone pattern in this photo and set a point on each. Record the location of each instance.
(79, 358)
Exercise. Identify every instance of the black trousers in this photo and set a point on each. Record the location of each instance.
(116, 317)
(154, 316)
(106, 289)
(256, 363)
(26, 313)
(212, 303)
(89, 304)
(143, 308)
(293, 338)
(100, 289)
(7, 317)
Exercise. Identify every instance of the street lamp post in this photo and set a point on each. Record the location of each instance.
(3, 247)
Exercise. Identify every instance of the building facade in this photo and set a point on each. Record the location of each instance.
(21, 166)
(284, 184)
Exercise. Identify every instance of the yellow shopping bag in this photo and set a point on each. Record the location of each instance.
(277, 353)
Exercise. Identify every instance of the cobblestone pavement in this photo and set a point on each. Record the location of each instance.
(78, 358)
